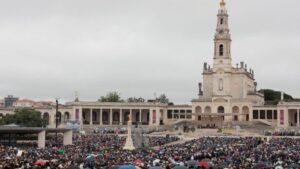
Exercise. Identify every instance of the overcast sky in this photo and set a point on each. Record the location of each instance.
(52, 48)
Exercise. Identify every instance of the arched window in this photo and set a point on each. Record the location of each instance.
(198, 110)
(58, 118)
(221, 50)
(220, 84)
(207, 109)
(46, 118)
(221, 21)
(221, 109)
(245, 110)
(66, 117)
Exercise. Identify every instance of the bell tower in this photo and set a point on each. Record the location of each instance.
(222, 40)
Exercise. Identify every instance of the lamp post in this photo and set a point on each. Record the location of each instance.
(56, 117)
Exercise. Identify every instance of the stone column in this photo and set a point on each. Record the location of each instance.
(140, 120)
(101, 110)
(286, 118)
(173, 114)
(68, 138)
(42, 139)
(80, 116)
(110, 117)
(266, 114)
(91, 116)
(150, 117)
(130, 115)
(121, 117)
(298, 118)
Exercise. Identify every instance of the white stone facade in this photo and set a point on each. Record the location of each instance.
(228, 92)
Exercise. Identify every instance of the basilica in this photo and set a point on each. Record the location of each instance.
(227, 95)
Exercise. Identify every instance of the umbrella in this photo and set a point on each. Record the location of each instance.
(261, 165)
(156, 162)
(61, 151)
(203, 164)
(90, 156)
(222, 165)
(40, 162)
(192, 163)
(137, 162)
(127, 167)
(79, 160)
(73, 167)
(157, 167)
(115, 167)
(279, 167)
(54, 160)
(294, 165)
(180, 167)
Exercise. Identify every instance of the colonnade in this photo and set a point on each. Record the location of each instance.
(112, 116)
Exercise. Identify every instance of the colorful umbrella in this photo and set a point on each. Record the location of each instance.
(61, 151)
(203, 164)
(115, 167)
(157, 167)
(180, 167)
(127, 167)
(192, 163)
(40, 162)
(137, 162)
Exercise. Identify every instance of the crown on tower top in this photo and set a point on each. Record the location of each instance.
(222, 3)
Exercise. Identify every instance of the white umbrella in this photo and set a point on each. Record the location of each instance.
(156, 161)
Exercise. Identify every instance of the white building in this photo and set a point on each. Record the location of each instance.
(228, 92)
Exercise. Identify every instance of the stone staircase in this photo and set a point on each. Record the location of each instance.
(254, 126)
(265, 122)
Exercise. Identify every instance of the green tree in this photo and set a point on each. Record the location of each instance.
(111, 97)
(163, 99)
(25, 117)
(272, 97)
(135, 100)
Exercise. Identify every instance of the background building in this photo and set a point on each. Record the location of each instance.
(10, 100)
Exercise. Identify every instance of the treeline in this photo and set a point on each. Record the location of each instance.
(116, 97)
(272, 97)
(24, 117)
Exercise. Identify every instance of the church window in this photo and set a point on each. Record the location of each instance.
(220, 84)
(221, 50)
(221, 21)
(221, 109)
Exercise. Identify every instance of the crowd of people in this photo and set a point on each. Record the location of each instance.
(282, 133)
(160, 141)
(106, 151)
